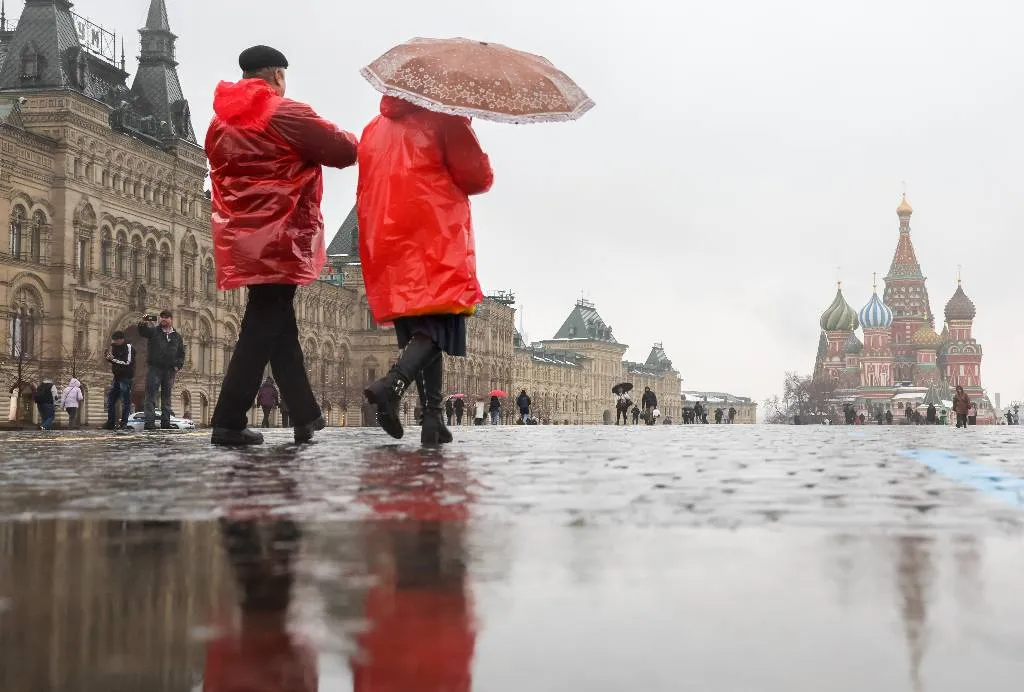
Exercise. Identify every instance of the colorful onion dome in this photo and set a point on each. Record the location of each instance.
(876, 314)
(839, 317)
(926, 337)
(960, 307)
(852, 346)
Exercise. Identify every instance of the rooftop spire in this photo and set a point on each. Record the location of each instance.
(156, 83)
(3, 15)
(157, 18)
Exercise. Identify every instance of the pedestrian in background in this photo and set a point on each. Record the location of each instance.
(46, 402)
(523, 403)
(165, 357)
(961, 406)
(268, 399)
(71, 400)
(449, 410)
(460, 411)
(495, 408)
(479, 412)
(266, 156)
(121, 357)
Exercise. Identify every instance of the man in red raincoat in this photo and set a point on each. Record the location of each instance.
(417, 169)
(266, 154)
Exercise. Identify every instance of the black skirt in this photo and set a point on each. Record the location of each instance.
(448, 332)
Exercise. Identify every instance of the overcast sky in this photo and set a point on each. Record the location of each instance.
(740, 152)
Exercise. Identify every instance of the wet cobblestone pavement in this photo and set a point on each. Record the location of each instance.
(672, 558)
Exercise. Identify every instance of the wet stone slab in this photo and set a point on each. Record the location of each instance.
(668, 558)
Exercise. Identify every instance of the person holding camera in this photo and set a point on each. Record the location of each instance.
(165, 358)
(121, 357)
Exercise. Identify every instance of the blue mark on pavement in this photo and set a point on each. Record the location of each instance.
(986, 479)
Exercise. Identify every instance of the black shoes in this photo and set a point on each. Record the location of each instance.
(304, 433)
(150, 426)
(109, 426)
(225, 437)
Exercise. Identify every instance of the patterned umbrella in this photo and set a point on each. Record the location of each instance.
(475, 79)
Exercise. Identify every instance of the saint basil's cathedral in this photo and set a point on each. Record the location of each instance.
(902, 362)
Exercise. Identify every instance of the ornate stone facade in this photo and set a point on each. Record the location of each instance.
(106, 217)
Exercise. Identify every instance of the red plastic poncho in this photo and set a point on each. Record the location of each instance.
(266, 154)
(417, 169)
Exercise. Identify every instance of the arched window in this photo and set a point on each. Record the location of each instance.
(36, 241)
(151, 257)
(204, 356)
(165, 267)
(17, 230)
(230, 339)
(24, 325)
(209, 279)
(138, 259)
(121, 256)
(105, 250)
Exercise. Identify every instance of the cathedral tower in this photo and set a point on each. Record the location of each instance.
(907, 296)
(838, 323)
(876, 361)
(962, 353)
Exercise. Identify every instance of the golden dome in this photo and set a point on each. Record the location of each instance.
(904, 208)
(926, 337)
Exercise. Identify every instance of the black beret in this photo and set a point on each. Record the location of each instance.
(261, 57)
(117, 336)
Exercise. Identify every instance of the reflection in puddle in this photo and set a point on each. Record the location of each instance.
(212, 605)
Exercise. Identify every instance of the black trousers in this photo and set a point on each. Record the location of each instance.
(162, 380)
(269, 334)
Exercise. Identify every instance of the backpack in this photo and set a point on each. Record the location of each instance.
(44, 394)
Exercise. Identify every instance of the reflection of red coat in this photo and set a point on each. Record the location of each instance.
(270, 661)
(421, 638)
(265, 156)
(416, 171)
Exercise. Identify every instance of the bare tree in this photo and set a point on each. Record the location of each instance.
(76, 361)
(803, 396)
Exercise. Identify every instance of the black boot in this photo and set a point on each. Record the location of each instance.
(421, 390)
(434, 431)
(387, 392)
(304, 433)
(225, 437)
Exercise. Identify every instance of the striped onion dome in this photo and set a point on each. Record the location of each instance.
(876, 314)
(839, 316)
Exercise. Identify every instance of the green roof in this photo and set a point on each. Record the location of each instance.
(585, 323)
(346, 240)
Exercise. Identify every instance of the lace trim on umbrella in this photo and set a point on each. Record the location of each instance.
(466, 112)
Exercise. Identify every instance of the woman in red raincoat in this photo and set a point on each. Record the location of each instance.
(417, 169)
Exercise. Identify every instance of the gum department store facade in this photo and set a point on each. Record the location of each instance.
(102, 184)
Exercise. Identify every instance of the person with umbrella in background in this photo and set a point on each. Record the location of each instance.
(495, 406)
(419, 163)
(622, 402)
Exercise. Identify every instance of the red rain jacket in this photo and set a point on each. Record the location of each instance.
(417, 169)
(266, 154)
